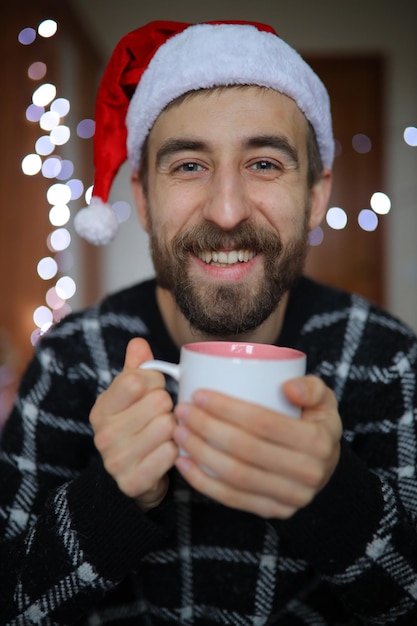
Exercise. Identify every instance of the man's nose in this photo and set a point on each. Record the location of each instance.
(227, 204)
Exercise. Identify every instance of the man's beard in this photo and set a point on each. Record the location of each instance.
(232, 308)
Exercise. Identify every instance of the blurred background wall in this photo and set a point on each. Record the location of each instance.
(367, 49)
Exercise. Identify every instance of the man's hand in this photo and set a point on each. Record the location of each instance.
(254, 459)
(133, 429)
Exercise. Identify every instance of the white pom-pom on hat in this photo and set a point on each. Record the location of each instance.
(97, 223)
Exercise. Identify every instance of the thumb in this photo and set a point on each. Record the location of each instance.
(137, 352)
(307, 392)
(313, 395)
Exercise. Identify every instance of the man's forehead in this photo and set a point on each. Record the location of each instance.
(241, 90)
(266, 109)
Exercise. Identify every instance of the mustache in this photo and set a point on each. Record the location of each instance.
(244, 236)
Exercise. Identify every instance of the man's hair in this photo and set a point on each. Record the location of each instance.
(315, 163)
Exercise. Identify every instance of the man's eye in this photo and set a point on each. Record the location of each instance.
(263, 165)
(190, 167)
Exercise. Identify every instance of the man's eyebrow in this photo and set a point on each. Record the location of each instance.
(171, 146)
(278, 142)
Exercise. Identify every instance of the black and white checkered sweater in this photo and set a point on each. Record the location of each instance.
(75, 550)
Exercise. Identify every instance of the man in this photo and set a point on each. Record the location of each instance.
(103, 522)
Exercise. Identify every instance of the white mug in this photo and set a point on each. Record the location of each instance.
(253, 372)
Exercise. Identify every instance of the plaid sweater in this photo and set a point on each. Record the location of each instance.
(75, 550)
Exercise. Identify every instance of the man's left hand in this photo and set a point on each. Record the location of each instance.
(254, 459)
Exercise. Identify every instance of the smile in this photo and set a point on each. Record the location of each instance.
(224, 259)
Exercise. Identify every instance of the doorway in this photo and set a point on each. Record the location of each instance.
(352, 258)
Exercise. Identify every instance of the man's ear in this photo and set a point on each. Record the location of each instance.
(141, 201)
(319, 198)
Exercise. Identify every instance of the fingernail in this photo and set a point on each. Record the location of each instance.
(182, 411)
(200, 398)
(299, 388)
(181, 433)
(183, 464)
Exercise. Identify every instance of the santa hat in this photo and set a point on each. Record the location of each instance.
(161, 61)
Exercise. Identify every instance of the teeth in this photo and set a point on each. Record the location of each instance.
(226, 258)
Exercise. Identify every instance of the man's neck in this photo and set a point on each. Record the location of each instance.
(181, 332)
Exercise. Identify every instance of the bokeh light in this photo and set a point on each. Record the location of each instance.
(361, 143)
(123, 211)
(35, 336)
(47, 268)
(368, 220)
(34, 113)
(65, 287)
(76, 186)
(47, 28)
(410, 136)
(60, 135)
(61, 106)
(44, 145)
(49, 120)
(336, 218)
(67, 170)
(37, 70)
(51, 167)
(44, 94)
(42, 316)
(53, 300)
(316, 236)
(380, 203)
(338, 148)
(31, 164)
(86, 128)
(59, 193)
(59, 215)
(88, 194)
(59, 239)
(27, 36)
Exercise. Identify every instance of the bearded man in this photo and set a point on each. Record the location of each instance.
(266, 519)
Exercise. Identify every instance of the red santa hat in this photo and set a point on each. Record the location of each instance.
(155, 64)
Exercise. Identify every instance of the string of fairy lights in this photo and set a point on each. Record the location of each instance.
(49, 111)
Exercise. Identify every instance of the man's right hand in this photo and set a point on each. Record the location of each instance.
(133, 427)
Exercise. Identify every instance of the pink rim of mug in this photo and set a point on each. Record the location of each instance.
(242, 350)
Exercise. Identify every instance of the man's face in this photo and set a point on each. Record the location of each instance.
(227, 205)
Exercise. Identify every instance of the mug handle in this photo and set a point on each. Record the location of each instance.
(171, 369)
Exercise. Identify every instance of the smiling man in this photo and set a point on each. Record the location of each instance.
(229, 208)
(267, 519)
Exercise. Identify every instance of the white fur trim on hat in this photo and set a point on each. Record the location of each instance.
(206, 56)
